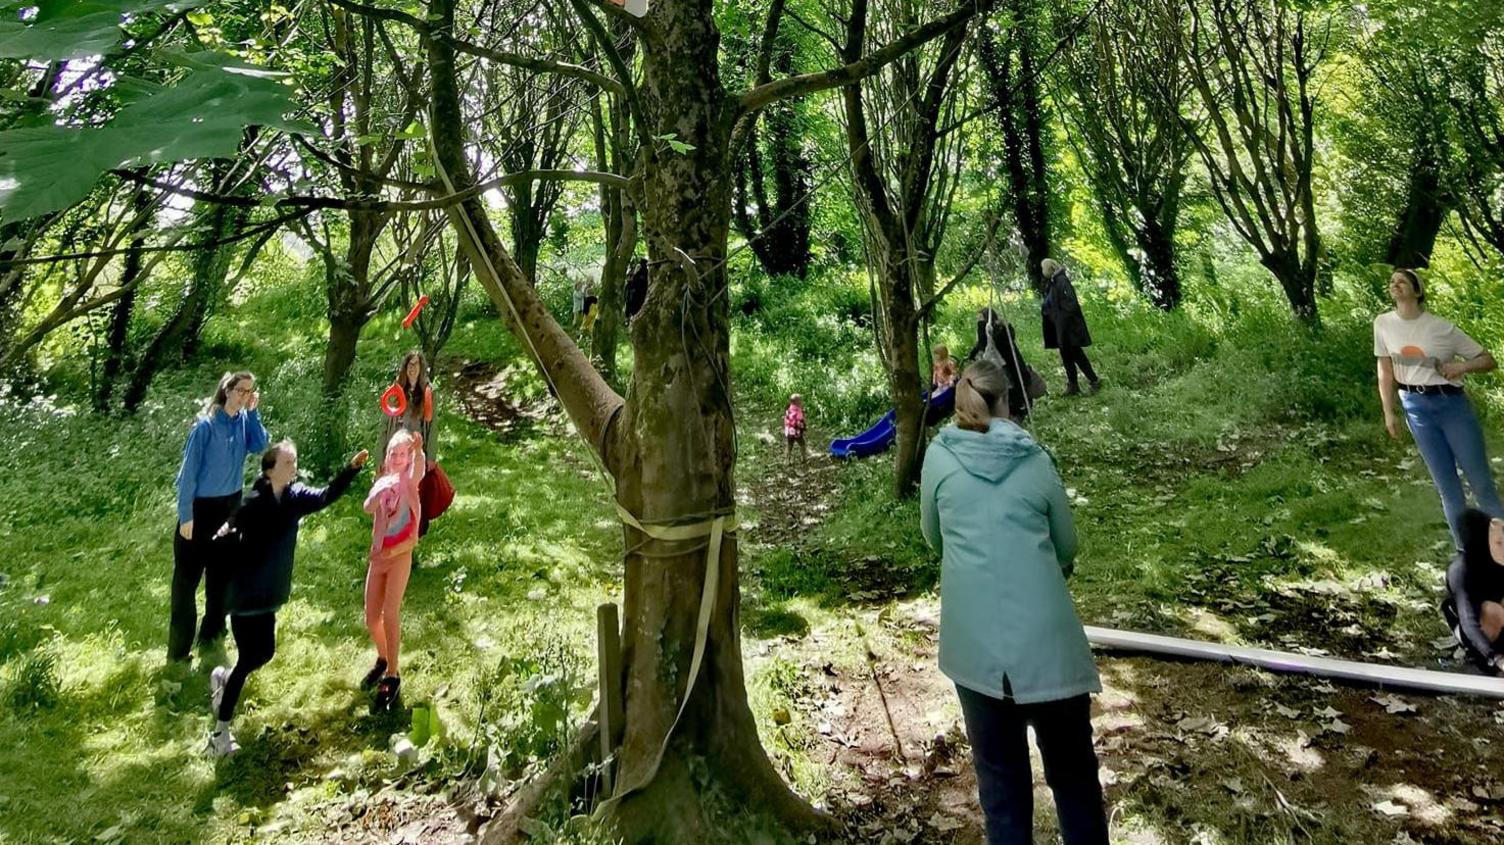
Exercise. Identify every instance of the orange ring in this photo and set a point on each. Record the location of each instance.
(394, 392)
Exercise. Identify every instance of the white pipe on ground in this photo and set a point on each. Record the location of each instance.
(1278, 661)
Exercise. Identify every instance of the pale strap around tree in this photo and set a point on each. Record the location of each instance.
(716, 528)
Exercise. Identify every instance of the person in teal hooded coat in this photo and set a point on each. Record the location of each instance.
(993, 505)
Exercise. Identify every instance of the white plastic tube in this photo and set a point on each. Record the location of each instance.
(1371, 674)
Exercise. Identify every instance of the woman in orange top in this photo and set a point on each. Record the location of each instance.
(417, 393)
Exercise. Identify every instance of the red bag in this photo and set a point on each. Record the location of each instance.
(435, 495)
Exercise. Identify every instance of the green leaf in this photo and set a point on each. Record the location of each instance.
(72, 29)
(414, 131)
(48, 168)
(673, 142)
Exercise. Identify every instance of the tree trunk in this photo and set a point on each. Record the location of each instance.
(1298, 280)
(118, 334)
(349, 306)
(905, 381)
(619, 220)
(527, 229)
(1158, 277)
(680, 457)
(670, 448)
(1425, 208)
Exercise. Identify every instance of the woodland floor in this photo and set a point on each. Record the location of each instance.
(1223, 522)
(1190, 752)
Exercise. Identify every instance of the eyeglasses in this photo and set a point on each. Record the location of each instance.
(243, 391)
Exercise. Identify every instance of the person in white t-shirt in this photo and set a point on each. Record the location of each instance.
(1425, 358)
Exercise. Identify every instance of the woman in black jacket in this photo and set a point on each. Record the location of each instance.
(265, 533)
(1005, 345)
(1065, 326)
(1474, 603)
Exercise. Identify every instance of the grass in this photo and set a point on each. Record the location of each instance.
(1233, 468)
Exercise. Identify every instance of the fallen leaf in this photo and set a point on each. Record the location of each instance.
(1329, 712)
(1337, 726)
(1389, 808)
(1393, 704)
(1287, 712)
(943, 823)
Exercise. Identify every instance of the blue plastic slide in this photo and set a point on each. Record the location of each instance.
(879, 438)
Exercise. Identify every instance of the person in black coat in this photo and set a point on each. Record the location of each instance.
(263, 535)
(1065, 326)
(1008, 356)
(1474, 602)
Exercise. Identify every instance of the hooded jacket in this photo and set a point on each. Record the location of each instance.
(994, 507)
(264, 533)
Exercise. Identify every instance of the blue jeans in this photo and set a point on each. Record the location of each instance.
(1447, 432)
(998, 731)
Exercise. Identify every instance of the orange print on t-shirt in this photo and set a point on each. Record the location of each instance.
(1412, 352)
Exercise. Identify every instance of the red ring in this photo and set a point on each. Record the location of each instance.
(394, 392)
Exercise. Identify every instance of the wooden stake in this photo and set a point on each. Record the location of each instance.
(608, 659)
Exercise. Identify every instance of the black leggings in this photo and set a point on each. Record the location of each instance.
(999, 734)
(193, 561)
(255, 643)
(1073, 357)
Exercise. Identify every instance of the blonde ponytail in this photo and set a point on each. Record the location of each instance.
(981, 395)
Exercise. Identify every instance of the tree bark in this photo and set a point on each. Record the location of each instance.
(350, 307)
(671, 448)
(1426, 206)
(120, 323)
(1012, 81)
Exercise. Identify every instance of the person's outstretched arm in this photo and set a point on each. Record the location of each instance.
(308, 500)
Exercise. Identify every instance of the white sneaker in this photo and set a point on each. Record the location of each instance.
(217, 680)
(222, 743)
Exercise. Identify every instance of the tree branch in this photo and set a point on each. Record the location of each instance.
(769, 36)
(810, 83)
(624, 74)
(472, 49)
(343, 204)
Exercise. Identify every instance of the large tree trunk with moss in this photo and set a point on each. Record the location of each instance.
(671, 448)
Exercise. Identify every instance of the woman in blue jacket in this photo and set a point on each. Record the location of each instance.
(263, 536)
(993, 506)
(209, 485)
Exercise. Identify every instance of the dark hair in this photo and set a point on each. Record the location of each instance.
(982, 389)
(274, 452)
(1473, 528)
(414, 391)
(1415, 283)
(227, 383)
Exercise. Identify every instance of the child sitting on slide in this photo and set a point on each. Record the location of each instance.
(1474, 603)
(943, 372)
(395, 513)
